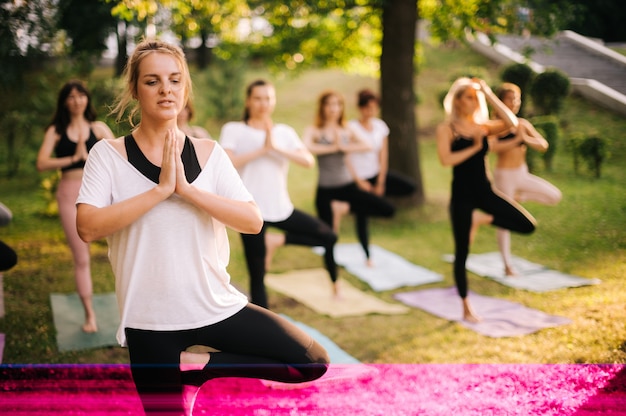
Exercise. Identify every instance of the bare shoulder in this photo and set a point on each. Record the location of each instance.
(203, 148)
(102, 130)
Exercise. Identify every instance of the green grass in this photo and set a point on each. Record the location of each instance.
(583, 235)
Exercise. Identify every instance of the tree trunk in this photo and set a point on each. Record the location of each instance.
(203, 53)
(397, 74)
(122, 41)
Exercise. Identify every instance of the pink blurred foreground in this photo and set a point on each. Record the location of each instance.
(348, 389)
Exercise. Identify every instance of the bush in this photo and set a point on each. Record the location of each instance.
(572, 144)
(522, 76)
(594, 150)
(549, 90)
(549, 127)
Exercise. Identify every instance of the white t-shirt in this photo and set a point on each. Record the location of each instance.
(170, 264)
(266, 176)
(367, 164)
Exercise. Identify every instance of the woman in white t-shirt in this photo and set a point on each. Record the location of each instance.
(370, 169)
(261, 151)
(163, 201)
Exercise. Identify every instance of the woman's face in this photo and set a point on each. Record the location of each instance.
(370, 109)
(467, 102)
(160, 87)
(261, 102)
(333, 108)
(76, 102)
(512, 100)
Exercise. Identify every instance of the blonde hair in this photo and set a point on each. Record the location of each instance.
(458, 88)
(131, 75)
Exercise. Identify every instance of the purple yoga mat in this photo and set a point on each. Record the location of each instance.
(500, 318)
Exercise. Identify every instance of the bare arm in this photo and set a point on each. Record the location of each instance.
(45, 159)
(311, 141)
(446, 156)
(532, 137)
(506, 118)
(94, 223)
(355, 143)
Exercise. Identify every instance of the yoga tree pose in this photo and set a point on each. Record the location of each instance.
(163, 201)
(331, 140)
(462, 143)
(69, 137)
(261, 152)
(511, 175)
(370, 169)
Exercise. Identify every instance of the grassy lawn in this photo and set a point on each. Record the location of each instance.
(583, 235)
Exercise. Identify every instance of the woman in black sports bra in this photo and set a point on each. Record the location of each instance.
(462, 143)
(69, 136)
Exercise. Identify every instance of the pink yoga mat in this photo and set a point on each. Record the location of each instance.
(369, 390)
(499, 317)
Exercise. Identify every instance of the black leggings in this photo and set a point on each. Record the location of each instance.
(361, 202)
(506, 214)
(395, 185)
(8, 257)
(253, 343)
(301, 229)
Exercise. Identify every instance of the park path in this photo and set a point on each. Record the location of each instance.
(595, 71)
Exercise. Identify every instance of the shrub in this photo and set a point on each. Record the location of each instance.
(549, 90)
(549, 127)
(572, 144)
(594, 150)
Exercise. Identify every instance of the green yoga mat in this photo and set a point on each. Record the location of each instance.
(68, 315)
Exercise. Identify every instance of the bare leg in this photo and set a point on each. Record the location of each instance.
(272, 242)
(468, 312)
(339, 209)
(90, 325)
(478, 218)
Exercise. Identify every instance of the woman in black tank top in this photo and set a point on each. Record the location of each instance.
(68, 138)
(462, 143)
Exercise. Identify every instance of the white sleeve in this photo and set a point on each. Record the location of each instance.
(228, 182)
(96, 187)
(229, 135)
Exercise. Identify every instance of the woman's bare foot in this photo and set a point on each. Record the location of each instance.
(369, 262)
(90, 325)
(509, 271)
(468, 313)
(478, 218)
(339, 209)
(336, 291)
(272, 242)
(193, 361)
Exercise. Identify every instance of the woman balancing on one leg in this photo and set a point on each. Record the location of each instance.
(462, 143)
(69, 137)
(370, 169)
(511, 175)
(261, 152)
(164, 200)
(331, 141)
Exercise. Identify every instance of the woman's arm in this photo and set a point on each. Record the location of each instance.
(355, 143)
(506, 118)
(242, 216)
(310, 138)
(446, 156)
(94, 223)
(45, 160)
(532, 137)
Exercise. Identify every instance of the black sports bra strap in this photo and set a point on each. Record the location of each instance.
(151, 171)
